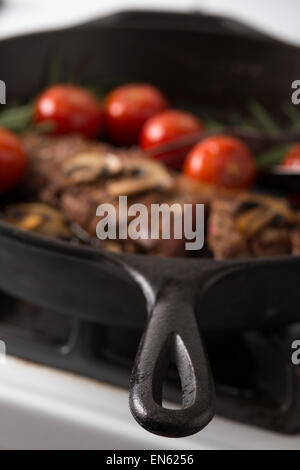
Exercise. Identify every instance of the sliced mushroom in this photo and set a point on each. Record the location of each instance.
(277, 205)
(271, 242)
(282, 208)
(254, 220)
(114, 247)
(39, 218)
(88, 167)
(149, 176)
(260, 211)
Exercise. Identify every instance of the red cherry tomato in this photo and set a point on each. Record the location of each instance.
(292, 158)
(166, 127)
(71, 109)
(223, 161)
(128, 107)
(12, 160)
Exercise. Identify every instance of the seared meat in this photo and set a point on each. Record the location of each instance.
(47, 155)
(250, 225)
(79, 204)
(224, 239)
(58, 163)
(77, 176)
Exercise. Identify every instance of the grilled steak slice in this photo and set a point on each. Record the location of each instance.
(47, 155)
(250, 225)
(79, 204)
(78, 175)
(224, 239)
(58, 163)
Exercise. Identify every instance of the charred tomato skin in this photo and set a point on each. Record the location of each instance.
(70, 109)
(128, 107)
(223, 161)
(166, 127)
(13, 161)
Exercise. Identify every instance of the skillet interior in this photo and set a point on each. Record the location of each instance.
(195, 69)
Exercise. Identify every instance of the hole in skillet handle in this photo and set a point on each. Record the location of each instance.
(172, 334)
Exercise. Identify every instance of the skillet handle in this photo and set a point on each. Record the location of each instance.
(172, 334)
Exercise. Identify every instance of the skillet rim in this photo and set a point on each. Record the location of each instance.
(92, 254)
(268, 40)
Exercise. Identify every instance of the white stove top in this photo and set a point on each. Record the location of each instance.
(43, 408)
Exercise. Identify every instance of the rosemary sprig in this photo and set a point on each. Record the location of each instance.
(264, 119)
(272, 157)
(211, 125)
(293, 114)
(17, 118)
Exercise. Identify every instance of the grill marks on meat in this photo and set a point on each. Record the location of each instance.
(252, 225)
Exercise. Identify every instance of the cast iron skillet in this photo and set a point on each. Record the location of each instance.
(221, 66)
